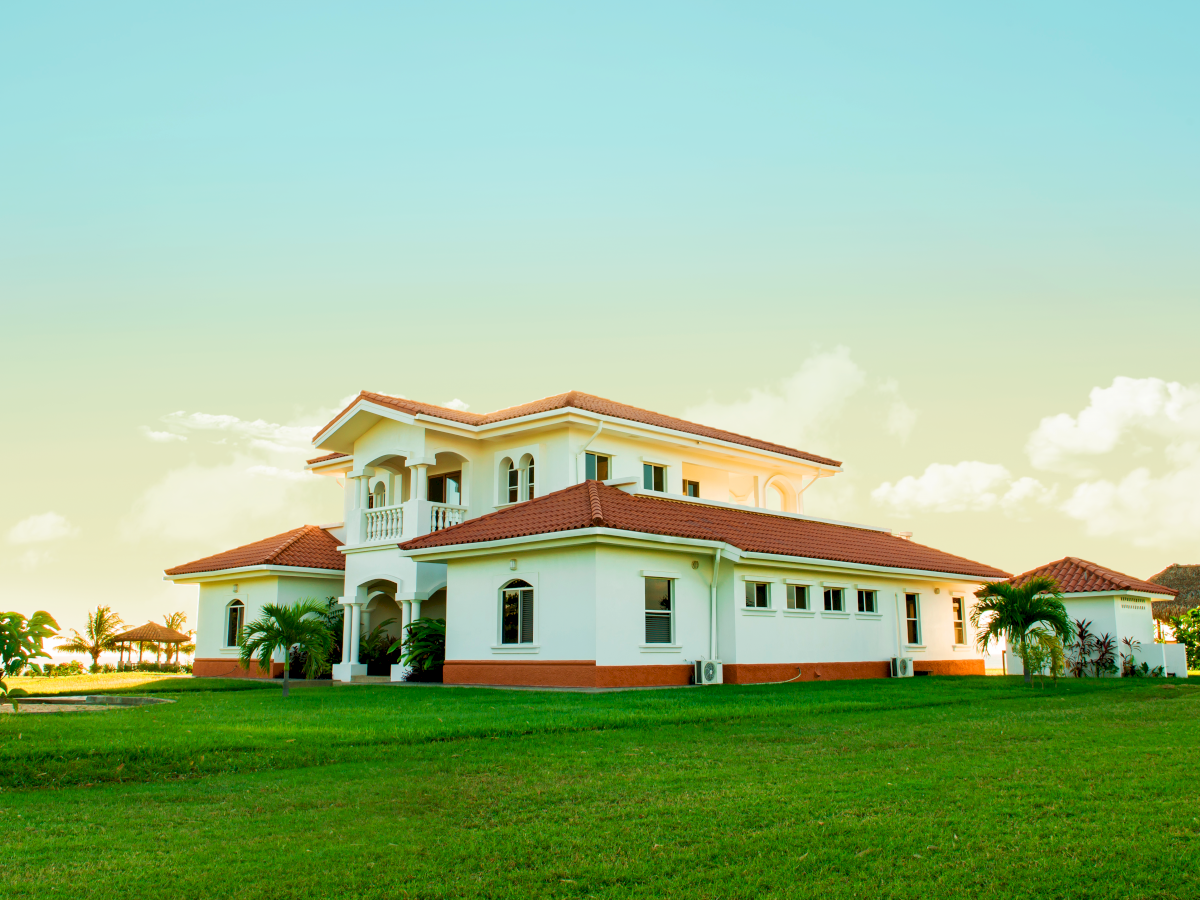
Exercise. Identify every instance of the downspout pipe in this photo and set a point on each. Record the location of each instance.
(712, 606)
(595, 435)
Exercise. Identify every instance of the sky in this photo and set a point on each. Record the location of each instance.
(954, 247)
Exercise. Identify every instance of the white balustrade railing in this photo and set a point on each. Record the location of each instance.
(442, 516)
(383, 524)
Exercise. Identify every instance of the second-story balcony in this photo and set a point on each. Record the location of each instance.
(385, 523)
(394, 524)
(443, 515)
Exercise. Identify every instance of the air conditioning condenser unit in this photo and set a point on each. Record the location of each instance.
(708, 671)
(902, 667)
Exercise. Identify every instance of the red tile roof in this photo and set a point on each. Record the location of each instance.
(581, 401)
(1078, 576)
(594, 504)
(306, 547)
(326, 458)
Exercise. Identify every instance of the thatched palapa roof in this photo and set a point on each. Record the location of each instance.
(1185, 580)
(151, 632)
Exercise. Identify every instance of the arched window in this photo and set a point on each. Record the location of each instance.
(511, 482)
(527, 467)
(235, 618)
(378, 496)
(516, 613)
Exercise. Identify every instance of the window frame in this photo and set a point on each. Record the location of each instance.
(793, 590)
(826, 599)
(518, 585)
(874, 597)
(757, 583)
(238, 604)
(591, 466)
(670, 613)
(656, 473)
(958, 614)
(912, 624)
(688, 486)
(443, 477)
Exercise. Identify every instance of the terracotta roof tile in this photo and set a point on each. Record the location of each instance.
(326, 458)
(594, 504)
(306, 547)
(1078, 576)
(581, 401)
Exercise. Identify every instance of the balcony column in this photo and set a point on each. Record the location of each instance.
(420, 481)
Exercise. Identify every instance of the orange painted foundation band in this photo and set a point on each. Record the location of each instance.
(231, 668)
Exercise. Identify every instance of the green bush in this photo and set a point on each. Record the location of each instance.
(1187, 632)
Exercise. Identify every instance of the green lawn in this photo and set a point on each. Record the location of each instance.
(922, 788)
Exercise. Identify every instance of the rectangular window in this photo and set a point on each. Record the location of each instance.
(598, 468)
(233, 634)
(757, 595)
(867, 601)
(659, 604)
(514, 484)
(960, 625)
(691, 489)
(530, 491)
(445, 488)
(516, 626)
(835, 599)
(911, 609)
(654, 478)
(797, 596)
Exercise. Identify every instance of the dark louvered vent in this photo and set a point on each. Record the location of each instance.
(658, 628)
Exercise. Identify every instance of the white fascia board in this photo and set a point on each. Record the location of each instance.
(335, 466)
(553, 539)
(700, 501)
(863, 567)
(1117, 594)
(225, 574)
(367, 406)
(629, 426)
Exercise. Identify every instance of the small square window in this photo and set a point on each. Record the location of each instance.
(797, 596)
(835, 600)
(598, 468)
(868, 601)
(654, 478)
(757, 595)
(691, 489)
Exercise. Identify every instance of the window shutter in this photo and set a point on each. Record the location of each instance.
(527, 617)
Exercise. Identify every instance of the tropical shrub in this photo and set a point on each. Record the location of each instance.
(1044, 654)
(21, 640)
(1187, 632)
(424, 646)
(1080, 648)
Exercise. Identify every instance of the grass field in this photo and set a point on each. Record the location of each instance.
(922, 788)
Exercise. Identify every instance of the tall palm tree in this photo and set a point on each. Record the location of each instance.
(1014, 609)
(102, 626)
(285, 627)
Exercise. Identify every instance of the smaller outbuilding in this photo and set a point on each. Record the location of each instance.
(1115, 604)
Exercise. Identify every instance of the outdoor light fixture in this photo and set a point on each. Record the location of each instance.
(512, 564)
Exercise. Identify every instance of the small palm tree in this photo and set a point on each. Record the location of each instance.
(285, 627)
(1014, 609)
(175, 620)
(102, 627)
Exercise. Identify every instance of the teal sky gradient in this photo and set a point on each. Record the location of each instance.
(256, 210)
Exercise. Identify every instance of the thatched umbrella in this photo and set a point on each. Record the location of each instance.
(1185, 580)
(150, 633)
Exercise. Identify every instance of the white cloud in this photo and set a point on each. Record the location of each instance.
(162, 437)
(457, 404)
(285, 474)
(1149, 511)
(32, 558)
(273, 437)
(965, 487)
(49, 526)
(796, 409)
(1166, 409)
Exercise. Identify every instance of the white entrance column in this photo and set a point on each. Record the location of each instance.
(351, 635)
(405, 621)
(416, 609)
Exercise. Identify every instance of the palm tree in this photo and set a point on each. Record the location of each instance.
(102, 627)
(285, 627)
(175, 620)
(1015, 609)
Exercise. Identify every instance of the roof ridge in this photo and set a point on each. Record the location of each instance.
(594, 500)
(296, 535)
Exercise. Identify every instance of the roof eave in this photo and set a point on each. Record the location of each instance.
(265, 569)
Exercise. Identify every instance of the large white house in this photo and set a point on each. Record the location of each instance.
(579, 541)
